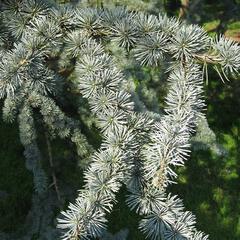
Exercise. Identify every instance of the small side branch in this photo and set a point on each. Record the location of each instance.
(205, 58)
(52, 167)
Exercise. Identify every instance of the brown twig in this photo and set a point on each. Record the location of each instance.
(52, 167)
(205, 58)
(184, 8)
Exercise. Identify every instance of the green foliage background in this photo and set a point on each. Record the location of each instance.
(208, 184)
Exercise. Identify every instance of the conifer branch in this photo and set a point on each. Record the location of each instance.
(137, 151)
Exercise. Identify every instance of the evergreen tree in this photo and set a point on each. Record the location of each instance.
(50, 51)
